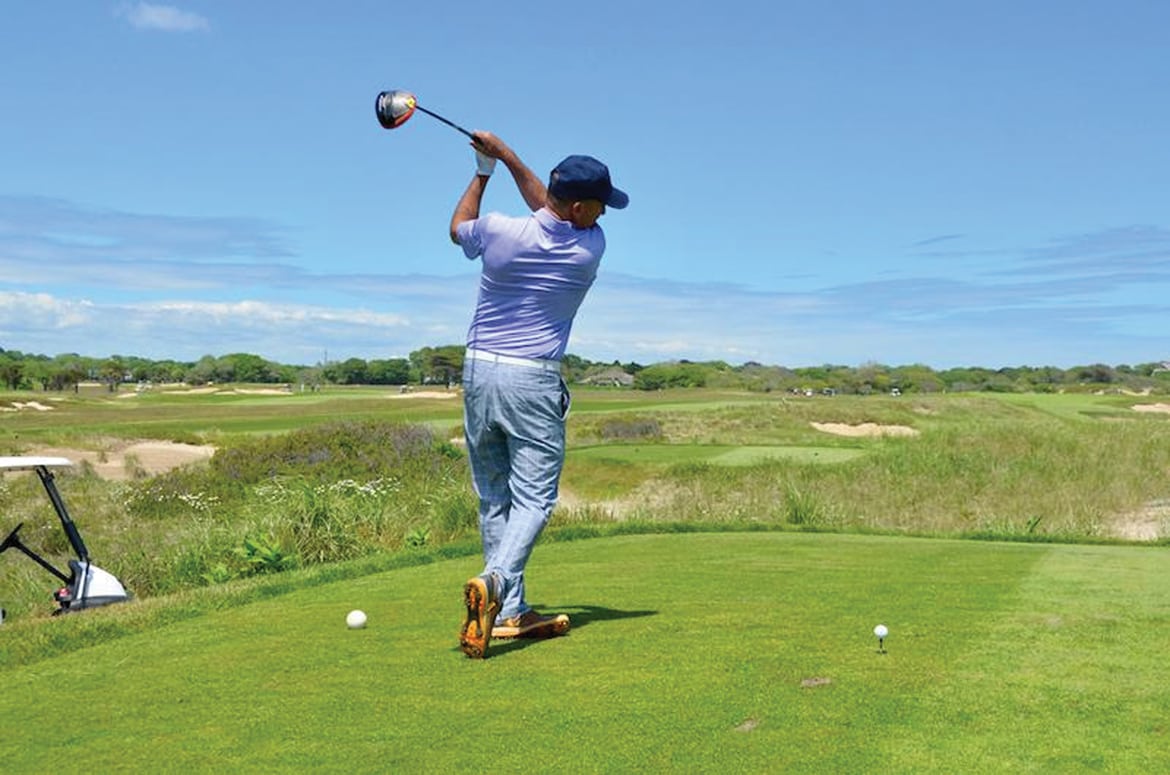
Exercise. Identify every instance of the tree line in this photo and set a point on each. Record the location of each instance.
(443, 365)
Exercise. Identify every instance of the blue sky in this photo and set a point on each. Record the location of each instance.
(936, 182)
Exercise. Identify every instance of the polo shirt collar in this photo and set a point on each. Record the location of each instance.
(546, 218)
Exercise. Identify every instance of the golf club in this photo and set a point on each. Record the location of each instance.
(86, 585)
(395, 107)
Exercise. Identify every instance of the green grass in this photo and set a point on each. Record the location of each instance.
(718, 454)
(1034, 467)
(740, 651)
(1076, 405)
(735, 652)
(208, 418)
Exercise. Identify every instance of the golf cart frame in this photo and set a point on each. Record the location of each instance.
(86, 585)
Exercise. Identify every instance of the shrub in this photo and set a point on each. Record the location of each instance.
(317, 495)
(348, 449)
(624, 429)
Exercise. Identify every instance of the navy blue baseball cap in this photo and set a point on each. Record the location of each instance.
(583, 177)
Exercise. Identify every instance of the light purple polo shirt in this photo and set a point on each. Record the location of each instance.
(536, 271)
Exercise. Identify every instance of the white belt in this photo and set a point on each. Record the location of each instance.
(547, 364)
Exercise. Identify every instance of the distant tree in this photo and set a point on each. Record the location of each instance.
(11, 373)
(652, 378)
(352, 371)
(975, 378)
(310, 377)
(916, 378)
(66, 371)
(246, 367)
(202, 372)
(820, 375)
(111, 372)
(392, 371)
(38, 372)
(1097, 373)
(438, 364)
(574, 368)
(872, 377)
(167, 371)
(670, 375)
(1047, 377)
(443, 365)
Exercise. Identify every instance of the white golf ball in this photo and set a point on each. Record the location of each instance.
(881, 631)
(355, 620)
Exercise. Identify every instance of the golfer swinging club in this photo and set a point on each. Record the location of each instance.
(536, 271)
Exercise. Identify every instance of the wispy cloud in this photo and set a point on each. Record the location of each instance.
(136, 235)
(291, 333)
(929, 320)
(936, 240)
(1139, 248)
(1131, 250)
(625, 318)
(98, 282)
(113, 249)
(164, 18)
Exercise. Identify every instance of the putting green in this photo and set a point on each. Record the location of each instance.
(716, 454)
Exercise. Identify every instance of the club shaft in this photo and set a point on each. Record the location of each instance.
(449, 123)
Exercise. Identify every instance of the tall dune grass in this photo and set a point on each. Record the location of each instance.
(978, 467)
(1036, 468)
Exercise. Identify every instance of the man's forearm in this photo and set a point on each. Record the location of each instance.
(468, 207)
(531, 188)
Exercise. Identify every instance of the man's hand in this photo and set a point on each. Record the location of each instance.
(530, 186)
(490, 145)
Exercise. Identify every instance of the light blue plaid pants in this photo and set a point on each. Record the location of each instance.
(514, 423)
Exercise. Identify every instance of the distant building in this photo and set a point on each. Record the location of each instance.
(611, 377)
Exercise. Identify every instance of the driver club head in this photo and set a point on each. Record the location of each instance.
(394, 108)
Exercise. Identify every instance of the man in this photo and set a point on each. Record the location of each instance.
(536, 271)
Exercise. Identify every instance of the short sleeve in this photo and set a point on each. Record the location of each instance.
(470, 234)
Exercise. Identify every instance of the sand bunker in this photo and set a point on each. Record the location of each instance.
(1148, 523)
(864, 429)
(424, 394)
(1152, 408)
(216, 391)
(121, 462)
(201, 391)
(17, 406)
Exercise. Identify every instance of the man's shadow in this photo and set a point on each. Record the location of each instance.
(580, 616)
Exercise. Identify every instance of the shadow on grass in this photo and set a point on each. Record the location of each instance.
(580, 615)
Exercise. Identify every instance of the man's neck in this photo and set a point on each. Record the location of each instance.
(558, 212)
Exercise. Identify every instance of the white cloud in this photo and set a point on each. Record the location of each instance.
(166, 18)
(186, 330)
(93, 281)
(29, 311)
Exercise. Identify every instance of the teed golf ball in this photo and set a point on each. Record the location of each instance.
(881, 631)
(355, 620)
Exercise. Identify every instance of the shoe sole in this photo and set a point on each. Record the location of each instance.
(552, 628)
(476, 634)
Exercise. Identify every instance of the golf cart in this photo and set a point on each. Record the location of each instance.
(86, 585)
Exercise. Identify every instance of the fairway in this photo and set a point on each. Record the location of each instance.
(693, 652)
(716, 454)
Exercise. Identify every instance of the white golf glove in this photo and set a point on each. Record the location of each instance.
(484, 165)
